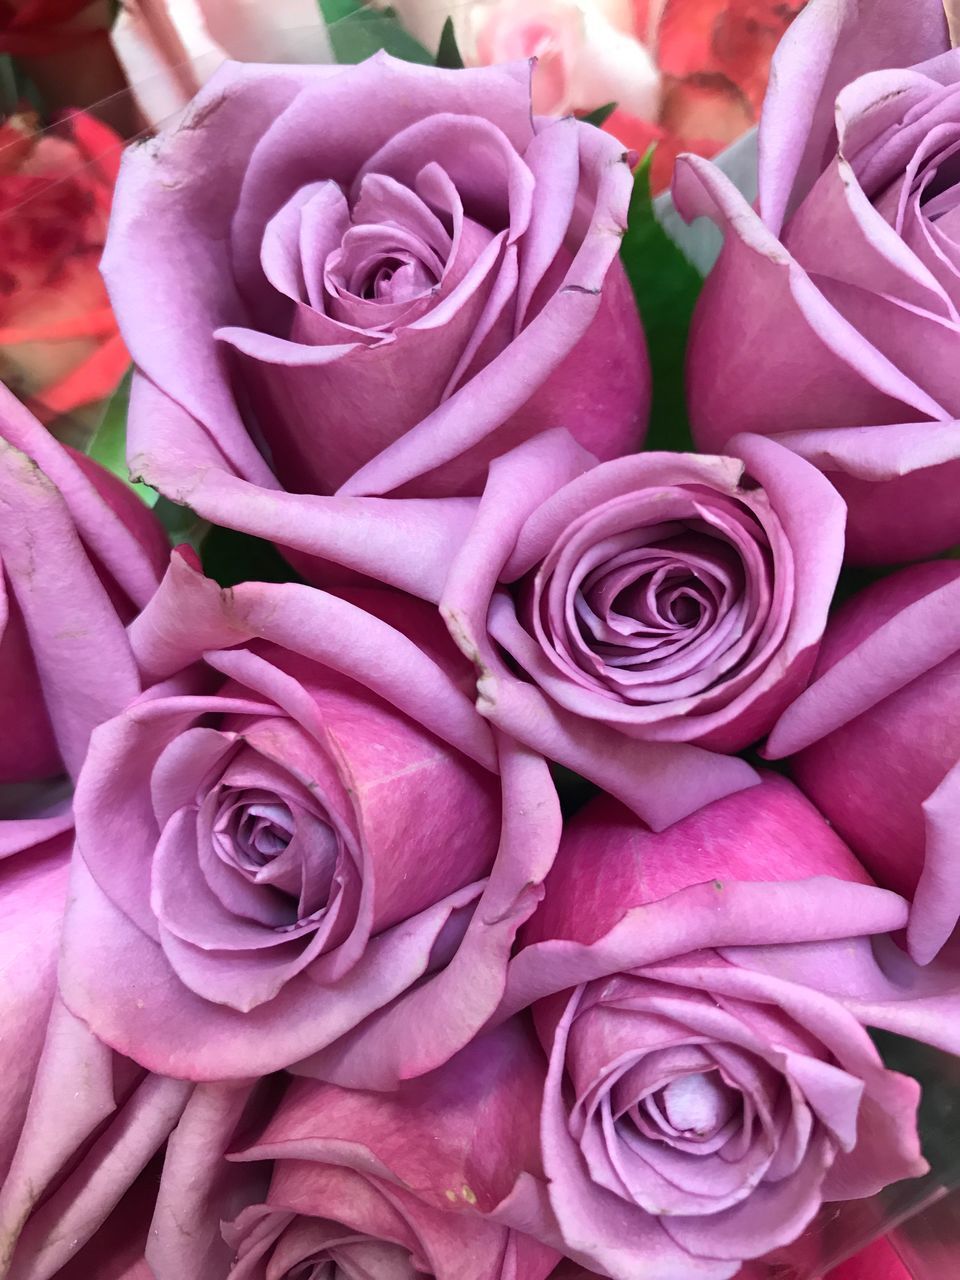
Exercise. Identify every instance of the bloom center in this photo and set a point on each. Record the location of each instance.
(697, 1105)
(261, 832)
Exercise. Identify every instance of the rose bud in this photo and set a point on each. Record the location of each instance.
(698, 1110)
(875, 740)
(324, 830)
(407, 1183)
(400, 274)
(845, 276)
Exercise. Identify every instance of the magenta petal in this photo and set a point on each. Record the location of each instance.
(316, 625)
(908, 645)
(77, 640)
(661, 782)
(936, 900)
(397, 1134)
(813, 339)
(112, 522)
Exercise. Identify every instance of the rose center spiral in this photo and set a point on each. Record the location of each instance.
(271, 843)
(382, 264)
(398, 279)
(261, 831)
(696, 1105)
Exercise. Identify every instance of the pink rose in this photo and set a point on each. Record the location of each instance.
(323, 831)
(617, 614)
(831, 318)
(402, 1184)
(875, 740)
(583, 60)
(399, 274)
(698, 1109)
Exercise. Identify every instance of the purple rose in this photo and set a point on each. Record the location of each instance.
(625, 616)
(396, 274)
(324, 830)
(698, 1110)
(832, 318)
(406, 1184)
(875, 740)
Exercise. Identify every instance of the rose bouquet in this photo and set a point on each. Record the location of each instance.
(453, 827)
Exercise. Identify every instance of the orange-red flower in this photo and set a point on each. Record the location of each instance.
(59, 345)
(714, 59)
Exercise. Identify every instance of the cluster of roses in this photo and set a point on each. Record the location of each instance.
(306, 972)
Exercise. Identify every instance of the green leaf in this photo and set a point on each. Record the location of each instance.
(230, 557)
(109, 444)
(855, 578)
(573, 791)
(9, 91)
(666, 287)
(357, 32)
(181, 524)
(448, 54)
(600, 116)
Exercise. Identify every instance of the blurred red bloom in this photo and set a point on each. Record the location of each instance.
(31, 27)
(714, 57)
(59, 345)
(880, 1261)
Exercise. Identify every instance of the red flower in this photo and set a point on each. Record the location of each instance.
(59, 345)
(31, 27)
(879, 1262)
(714, 57)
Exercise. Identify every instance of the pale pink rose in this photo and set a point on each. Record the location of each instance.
(169, 48)
(583, 59)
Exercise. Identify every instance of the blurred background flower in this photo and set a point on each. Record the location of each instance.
(714, 60)
(63, 46)
(688, 75)
(587, 54)
(168, 48)
(59, 345)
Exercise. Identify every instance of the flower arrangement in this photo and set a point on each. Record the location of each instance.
(461, 817)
